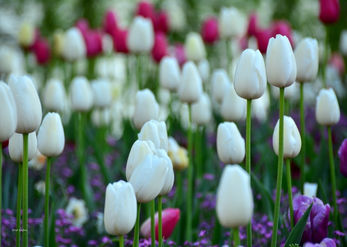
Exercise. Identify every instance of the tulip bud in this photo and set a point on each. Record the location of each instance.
(146, 108)
(204, 69)
(15, 147)
(342, 156)
(54, 96)
(102, 93)
(201, 110)
(169, 73)
(291, 138)
(155, 131)
(161, 22)
(194, 47)
(306, 56)
(74, 47)
(233, 107)
(234, 203)
(220, 82)
(190, 87)
(343, 42)
(93, 41)
(230, 144)
(145, 9)
(178, 155)
(180, 54)
(26, 35)
(283, 28)
(120, 41)
(110, 22)
(176, 13)
(250, 75)
(209, 30)
(120, 208)
(232, 23)
(327, 107)
(41, 50)
(81, 94)
(28, 105)
(263, 36)
(141, 35)
(310, 189)
(160, 47)
(51, 139)
(170, 176)
(252, 27)
(280, 62)
(8, 113)
(58, 43)
(329, 11)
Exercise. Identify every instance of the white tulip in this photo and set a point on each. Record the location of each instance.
(292, 92)
(10, 61)
(201, 110)
(146, 108)
(102, 93)
(51, 138)
(15, 147)
(120, 208)
(28, 105)
(177, 16)
(54, 96)
(327, 107)
(74, 47)
(155, 131)
(8, 112)
(194, 47)
(306, 56)
(76, 208)
(230, 143)
(220, 82)
(234, 204)
(233, 107)
(250, 75)
(81, 94)
(141, 35)
(232, 23)
(169, 73)
(260, 107)
(280, 62)
(170, 175)
(291, 138)
(204, 69)
(190, 88)
(343, 42)
(310, 189)
(101, 117)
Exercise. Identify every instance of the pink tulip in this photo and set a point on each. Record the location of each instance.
(209, 30)
(110, 22)
(119, 38)
(252, 25)
(41, 50)
(180, 54)
(336, 60)
(83, 26)
(161, 23)
(262, 36)
(159, 49)
(170, 217)
(93, 41)
(146, 10)
(329, 11)
(243, 42)
(283, 28)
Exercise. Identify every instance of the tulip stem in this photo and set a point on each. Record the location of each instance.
(248, 160)
(332, 173)
(121, 241)
(325, 59)
(137, 226)
(279, 173)
(25, 189)
(190, 179)
(47, 191)
(229, 55)
(236, 236)
(160, 223)
(152, 223)
(19, 203)
(302, 130)
(290, 196)
(0, 189)
(139, 72)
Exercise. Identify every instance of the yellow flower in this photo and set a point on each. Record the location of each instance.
(178, 155)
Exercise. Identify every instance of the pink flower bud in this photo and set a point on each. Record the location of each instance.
(110, 22)
(159, 49)
(161, 23)
(338, 63)
(283, 28)
(93, 41)
(180, 54)
(41, 50)
(119, 38)
(252, 25)
(263, 36)
(146, 10)
(329, 11)
(83, 26)
(209, 30)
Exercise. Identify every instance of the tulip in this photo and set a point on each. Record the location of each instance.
(176, 15)
(170, 176)
(26, 34)
(310, 189)
(58, 43)
(159, 49)
(110, 22)
(327, 107)
(336, 61)
(204, 70)
(54, 96)
(145, 9)
(329, 11)
(220, 82)
(102, 93)
(343, 42)
(169, 73)
(73, 47)
(283, 28)
(252, 28)
(140, 37)
(180, 54)
(238, 110)
(161, 22)
(343, 157)
(155, 131)
(119, 38)
(306, 56)
(280, 62)
(209, 30)
(263, 36)
(232, 23)
(201, 110)
(101, 117)
(8, 113)
(93, 42)
(15, 147)
(41, 50)
(81, 94)
(178, 155)
(327, 242)
(190, 88)
(261, 106)
(146, 108)
(83, 25)
(194, 47)
(9, 60)
(120, 208)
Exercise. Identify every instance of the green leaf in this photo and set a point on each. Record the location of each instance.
(296, 233)
(269, 205)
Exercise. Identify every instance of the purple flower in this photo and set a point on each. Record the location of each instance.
(317, 224)
(343, 157)
(327, 242)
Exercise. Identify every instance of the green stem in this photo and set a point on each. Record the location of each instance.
(248, 160)
(153, 223)
(303, 140)
(139, 72)
(325, 61)
(199, 165)
(290, 196)
(47, 191)
(229, 55)
(190, 180)
(121, 241)
(137, 226)
(279, 173)
(160, 224)
(19, 203)
(25, 190)
(332, 173)
(236, 236)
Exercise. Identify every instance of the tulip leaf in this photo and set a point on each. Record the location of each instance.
(269, 205)
(296, 233)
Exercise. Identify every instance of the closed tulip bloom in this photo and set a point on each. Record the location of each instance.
(194, 46)
(102, 93)
(220, 81)
(51, 138)
(232, 23)
(343, 158)
(204, 69)
(310, 189)
(74, 47)
(201, 110)
(169, 73)
(81, 94)
(26, 35)
(110, 22)
(233, 107)
(15, 147)
(306, 56)
(41, 50)
(170, 175)
(54, 96)
(283, 28)
(155, 131)
(160, 47)
(327, 107)
(329, 11)
(120, 208)
(178, 155)
(8, 112)
(209, 30)
(250, 75)
(230, 143)
(190, 88)
(234, 203)
(146, 108)
(28, 105)
(263, 36)
(280, 62)
(58, 43)
(141, 35)
(291, 138)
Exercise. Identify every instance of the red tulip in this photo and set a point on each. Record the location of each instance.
(146, 10)
(180, 54)
(110, 22)
(263, 36)
(209, 30)
(336, 60)
(283, 28)
(93, 41)
(159, 49)
(41, 50)
(329, 11)
(119, 38)
(252, 25)
(170, 217)
(161, 23)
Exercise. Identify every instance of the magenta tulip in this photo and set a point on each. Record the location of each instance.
(110, 22)
(329, 11)
(209, 30)
(252, 25)
(343, 158)
(41, 50)
(159, 49)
